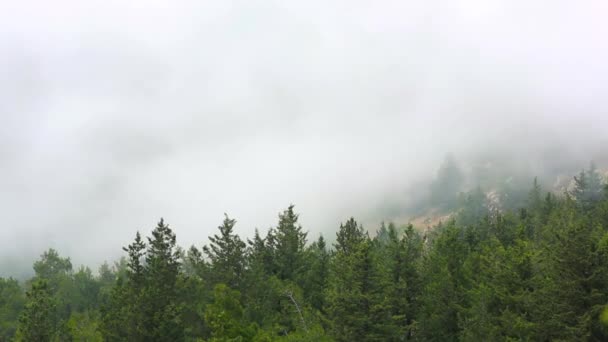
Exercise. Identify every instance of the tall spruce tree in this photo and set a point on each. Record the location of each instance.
(226, 253)
(445, 278)
(350, 284)
(447, 184)
(588, 187)
(145, 307)
(408, 269)
(569, 282)
(289, 241)
(160, 293)
(123, 316)
(315, 281)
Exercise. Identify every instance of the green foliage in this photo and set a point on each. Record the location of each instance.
(443, 284)
(350, 289)
(12, 302)
(144, 306)
(588, 187)
(51, 267)
(159, 295)
(314, 282)
(536, 273)
(38, 321)
(225, 318)
(288, 241)
(84, 327)
(226, 253)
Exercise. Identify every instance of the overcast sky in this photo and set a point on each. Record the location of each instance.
(115, 113)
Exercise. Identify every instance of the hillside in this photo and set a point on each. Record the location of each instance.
(496, 197)
(484, 272)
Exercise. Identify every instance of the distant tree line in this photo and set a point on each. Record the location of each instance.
(538, 273)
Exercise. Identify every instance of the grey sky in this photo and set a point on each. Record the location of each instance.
(115, 113)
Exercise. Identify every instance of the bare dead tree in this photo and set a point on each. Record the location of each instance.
(289, 295)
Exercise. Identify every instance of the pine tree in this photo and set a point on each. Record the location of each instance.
(123, 316)
(261, 298)
(588, 187)
(38, 322)
(396, 284)
(135, 267)
(473, 208)
(447, 184)
(534, 196)
(160, 293)
(382, 235)
(388, 295)
(144, 307)
(498, 294)
(194, 264)
(84, 327)
(568, 284)
(289, 241)
(12, 302)
(225, 316)
(350, 286)
(445, 281)
(84, 294)
(349, 236)
(410, 271)
(315, 281)
(226, 253)
(260, 253)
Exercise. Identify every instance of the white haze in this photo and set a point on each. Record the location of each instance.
(115, 113)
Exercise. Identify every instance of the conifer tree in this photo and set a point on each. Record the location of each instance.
(226, 253)
(144, 307)
(12, 301)
(569, 282)
(135, 267)
(447, 184)
(348, 237)
(410, 271)
(194, 264)
(534, 196)
(257, 293)
(225, 316)
(160, 293)
(123, 316)
(350, 286)
(315, 281)
(289, 241)
(388, 295)
(38, 322)
(442, 295)
(588, 187)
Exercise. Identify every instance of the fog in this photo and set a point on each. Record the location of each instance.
(116, 113)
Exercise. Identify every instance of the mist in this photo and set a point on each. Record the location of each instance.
(115, 114)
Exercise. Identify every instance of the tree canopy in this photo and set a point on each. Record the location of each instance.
(535, 273)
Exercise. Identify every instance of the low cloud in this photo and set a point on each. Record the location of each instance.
(116, 114)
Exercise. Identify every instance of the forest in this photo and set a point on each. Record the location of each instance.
(535, 270)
